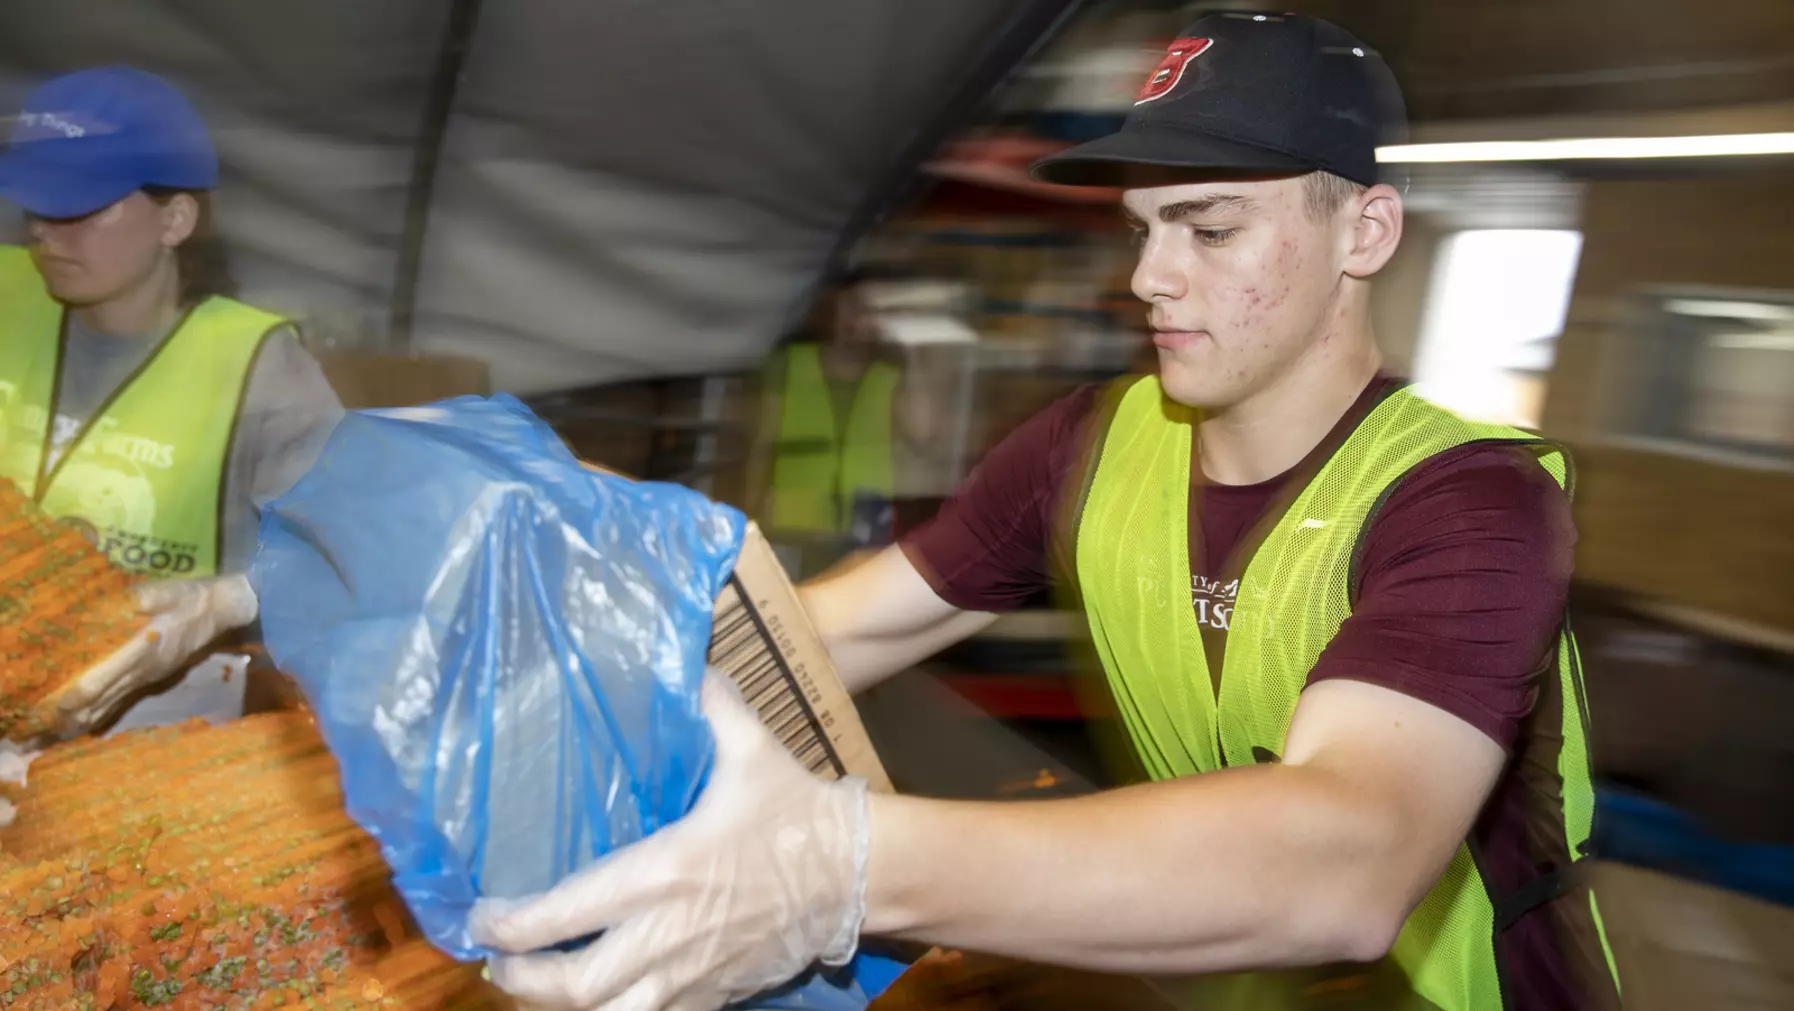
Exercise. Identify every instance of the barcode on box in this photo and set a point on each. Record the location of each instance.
(743, 647)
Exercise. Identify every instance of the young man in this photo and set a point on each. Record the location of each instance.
(1366, 736)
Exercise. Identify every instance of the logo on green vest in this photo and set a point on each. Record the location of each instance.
(1214, 601)
(136, 449)
(153, 555)
(137, 552)
(104, 483)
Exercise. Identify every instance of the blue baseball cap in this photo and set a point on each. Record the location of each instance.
(91, 138)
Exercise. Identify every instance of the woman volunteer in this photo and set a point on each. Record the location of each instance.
(137, 398)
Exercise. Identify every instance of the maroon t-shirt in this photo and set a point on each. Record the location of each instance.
(1463, 577)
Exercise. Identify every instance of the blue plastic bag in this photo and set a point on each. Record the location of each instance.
(504, 651)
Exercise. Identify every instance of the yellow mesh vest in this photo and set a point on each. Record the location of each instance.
(147, 472)
(818, 467)
(1132, 557)
(29, 323)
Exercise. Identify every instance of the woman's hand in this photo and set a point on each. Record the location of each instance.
(184, 617)
(762, 879)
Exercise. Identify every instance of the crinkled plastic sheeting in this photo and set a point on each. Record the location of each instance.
(504, 652)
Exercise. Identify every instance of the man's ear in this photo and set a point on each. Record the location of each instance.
(1375, 220)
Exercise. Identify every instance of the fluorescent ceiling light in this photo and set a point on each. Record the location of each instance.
(1763, 311)
(1757, 342)
(917, 330)
(1587, 148)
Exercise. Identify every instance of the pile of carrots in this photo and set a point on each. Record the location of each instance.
(63, 608)
(206, 867)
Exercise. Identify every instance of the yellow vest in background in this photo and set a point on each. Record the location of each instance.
(1133, 576)
(818, 464)
(147, 472)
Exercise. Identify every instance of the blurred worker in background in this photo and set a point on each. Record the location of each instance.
(834, 408)
(139, 399)
(1331, 615)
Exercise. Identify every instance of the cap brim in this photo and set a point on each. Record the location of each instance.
(1118, 158)
(50, 190)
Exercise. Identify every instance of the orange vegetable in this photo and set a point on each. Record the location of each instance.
(200, 866)
(63, 608)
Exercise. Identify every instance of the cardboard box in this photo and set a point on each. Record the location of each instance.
(761, 637)
(368, 379)
(763, 640)
(1679, 945)
(1635, 506)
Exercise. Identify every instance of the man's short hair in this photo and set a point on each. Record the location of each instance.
(1326, 193)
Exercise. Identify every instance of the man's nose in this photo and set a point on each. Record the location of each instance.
(1157, 277)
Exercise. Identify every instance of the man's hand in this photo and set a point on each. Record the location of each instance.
(763, 878)
(185, 615)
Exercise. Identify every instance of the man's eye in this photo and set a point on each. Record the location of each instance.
(1215, 236)
(1137, 235)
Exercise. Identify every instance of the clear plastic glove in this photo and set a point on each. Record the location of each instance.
(15, 762)
(185, 615)
(762, 879)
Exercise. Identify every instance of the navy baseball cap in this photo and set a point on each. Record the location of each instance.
(91, 138)
(1253, 93)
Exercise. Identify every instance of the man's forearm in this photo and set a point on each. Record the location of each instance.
(877, 616)
(1256, 867)
(866, 662)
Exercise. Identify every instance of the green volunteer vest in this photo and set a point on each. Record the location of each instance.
(147, 471)
(819, 465)
(1133, 574)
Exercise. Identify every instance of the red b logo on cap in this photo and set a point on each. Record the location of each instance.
(1170, 70)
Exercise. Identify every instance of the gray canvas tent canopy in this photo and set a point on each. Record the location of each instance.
(577, 191)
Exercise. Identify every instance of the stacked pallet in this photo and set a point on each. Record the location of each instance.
(63, 608)
(205, 867)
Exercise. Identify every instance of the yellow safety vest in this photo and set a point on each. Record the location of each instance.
(818, 465)
(147, 470)
(1133, 576)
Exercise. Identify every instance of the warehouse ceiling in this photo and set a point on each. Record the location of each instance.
(609, 190)
(1478, 59)
(1482, 59)
(1513, 69)
(577, 192)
